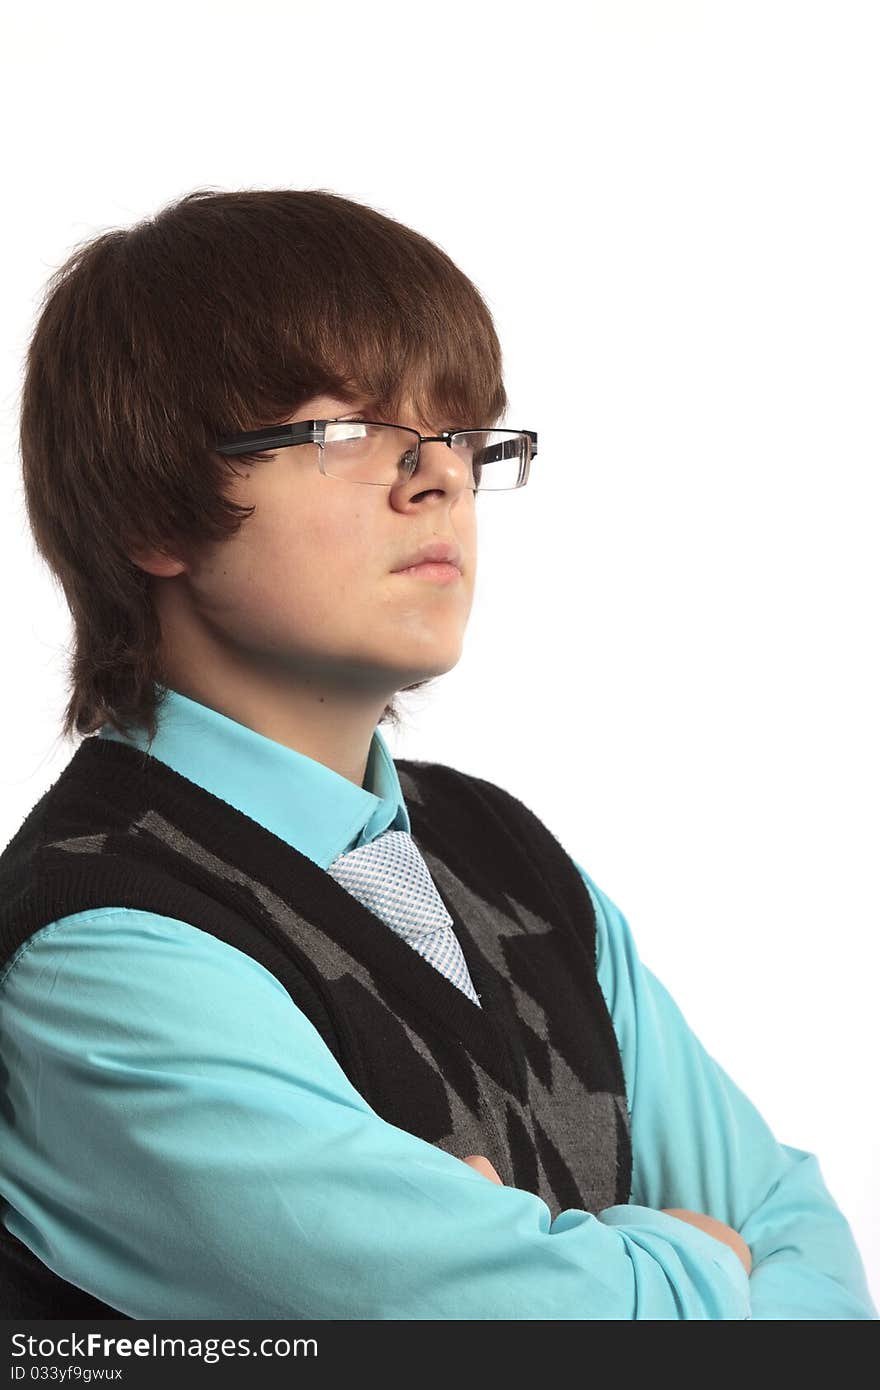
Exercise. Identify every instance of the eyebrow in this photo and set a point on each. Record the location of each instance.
(366, 408)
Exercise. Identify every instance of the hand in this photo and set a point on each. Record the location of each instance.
(713, 1227)
(483, 1166)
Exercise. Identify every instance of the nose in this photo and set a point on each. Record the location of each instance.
(441, 467)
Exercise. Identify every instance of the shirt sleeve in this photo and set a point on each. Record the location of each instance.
(179, 1141)
(699, 1143)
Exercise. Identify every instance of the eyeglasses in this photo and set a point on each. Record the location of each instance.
(383, 455)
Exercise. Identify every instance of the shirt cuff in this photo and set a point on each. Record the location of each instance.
(713, 1269)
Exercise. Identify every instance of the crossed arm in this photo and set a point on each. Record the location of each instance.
(179, 1141)
(481, 1164)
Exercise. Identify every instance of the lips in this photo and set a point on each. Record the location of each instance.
(435, 551)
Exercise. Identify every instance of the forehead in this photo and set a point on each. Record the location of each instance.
(331, 406)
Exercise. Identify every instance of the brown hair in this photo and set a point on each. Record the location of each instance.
(225, 311)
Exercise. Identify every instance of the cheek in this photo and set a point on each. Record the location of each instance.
(311, 555)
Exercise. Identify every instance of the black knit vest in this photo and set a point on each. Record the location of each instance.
(532, 1079)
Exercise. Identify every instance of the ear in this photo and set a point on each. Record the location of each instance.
(157, 562)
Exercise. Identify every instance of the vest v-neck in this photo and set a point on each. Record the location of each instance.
(234, 836)
(485, 1027)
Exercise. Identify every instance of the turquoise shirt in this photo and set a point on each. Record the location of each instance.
(178, 1139)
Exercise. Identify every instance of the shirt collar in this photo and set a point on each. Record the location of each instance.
(302, 801)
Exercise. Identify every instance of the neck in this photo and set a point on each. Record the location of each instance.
(315, 719)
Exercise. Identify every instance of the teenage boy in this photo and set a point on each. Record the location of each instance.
(275, 1004)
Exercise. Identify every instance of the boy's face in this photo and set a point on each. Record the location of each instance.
(307, 587)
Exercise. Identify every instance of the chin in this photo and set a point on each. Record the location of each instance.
(431, 668)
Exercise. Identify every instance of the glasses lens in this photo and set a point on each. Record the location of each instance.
(365, 453)
(499, 459)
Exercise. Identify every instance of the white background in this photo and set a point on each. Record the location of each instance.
(672, 212)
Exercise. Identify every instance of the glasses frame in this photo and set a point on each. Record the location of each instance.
(312, 432)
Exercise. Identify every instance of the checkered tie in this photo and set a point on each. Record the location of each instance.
(390, 877)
